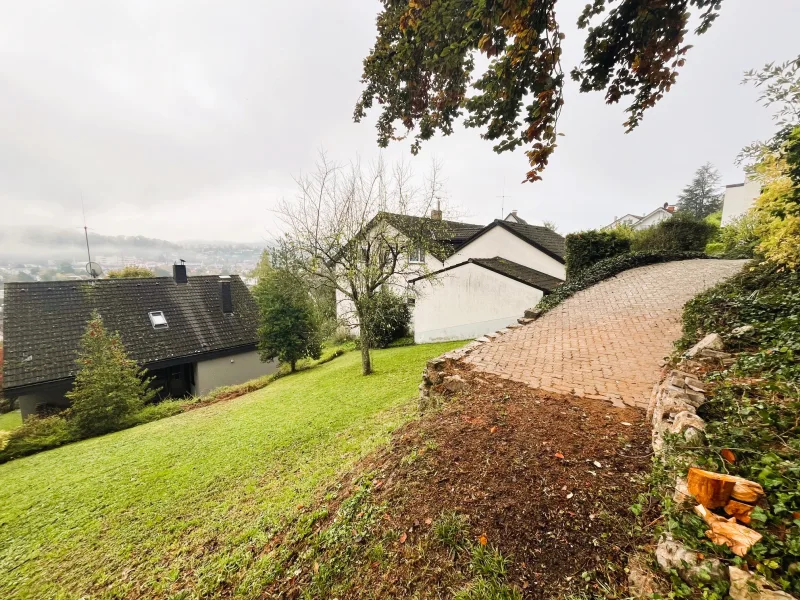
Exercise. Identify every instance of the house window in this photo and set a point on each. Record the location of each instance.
(417, 255)
(158, 320)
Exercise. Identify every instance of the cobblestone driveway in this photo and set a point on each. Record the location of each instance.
(607, 341)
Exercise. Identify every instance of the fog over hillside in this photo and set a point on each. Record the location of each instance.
(36, 245)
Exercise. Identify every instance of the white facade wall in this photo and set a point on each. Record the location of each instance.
(230, 370)
(500, 242)
(738, 200)
(654, 218)
(468, 302)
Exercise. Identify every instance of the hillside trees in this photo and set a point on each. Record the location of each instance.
(420, 70)
(345, 225)
(131, 272)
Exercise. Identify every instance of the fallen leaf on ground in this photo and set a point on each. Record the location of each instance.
(483, 540)
(728, 455)
(493, 429)
(559, 455)
(428, 521)
(403, 537)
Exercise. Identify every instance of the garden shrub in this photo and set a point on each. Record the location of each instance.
(603, 270)
(737, 239)
(391, 318)
(34, 435)
(585, 248)
(680, 233)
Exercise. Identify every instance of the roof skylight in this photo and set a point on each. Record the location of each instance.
(158, 319)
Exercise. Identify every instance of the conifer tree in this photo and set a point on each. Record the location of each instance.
(109, 385)
(702, 196)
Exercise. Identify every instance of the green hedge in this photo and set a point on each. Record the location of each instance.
(585, 248)
(681, 233)
(603, 270)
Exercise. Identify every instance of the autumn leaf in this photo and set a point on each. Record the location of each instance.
(559, 455)
(316, 567)
(493, 429)
(403, 537)
(428, 521)
(483, 540)
(728, 456)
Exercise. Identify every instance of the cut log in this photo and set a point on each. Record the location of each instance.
(747, 491)
(740, 510)
(727, 532)
(714, 490)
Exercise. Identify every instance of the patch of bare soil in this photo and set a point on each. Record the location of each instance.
(548, 480)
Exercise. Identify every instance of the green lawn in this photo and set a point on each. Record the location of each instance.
(10, 420)
(187, 504)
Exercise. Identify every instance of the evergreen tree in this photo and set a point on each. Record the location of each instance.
(702, 196)
(109, 385)
(288, 330)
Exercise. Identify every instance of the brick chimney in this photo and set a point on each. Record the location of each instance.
(436, 213)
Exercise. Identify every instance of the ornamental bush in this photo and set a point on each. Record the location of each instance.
(109, 386)
(585, 248)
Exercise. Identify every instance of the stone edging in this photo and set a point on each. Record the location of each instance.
(432, 375)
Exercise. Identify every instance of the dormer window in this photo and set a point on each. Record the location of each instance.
(158, 319)
(416, 255)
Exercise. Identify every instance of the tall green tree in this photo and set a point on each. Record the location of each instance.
(289, 330)
(109, 385)
(420, 71)
(702, 196)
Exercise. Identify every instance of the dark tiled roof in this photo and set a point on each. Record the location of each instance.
(546, 239)
(448, 234)
(537, 279)
(44, 321)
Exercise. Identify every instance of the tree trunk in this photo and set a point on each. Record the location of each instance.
(366, 360)
(293, 366)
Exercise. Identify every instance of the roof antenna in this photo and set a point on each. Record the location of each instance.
(502, 200)
(91, 268)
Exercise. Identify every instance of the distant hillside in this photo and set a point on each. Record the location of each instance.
(33, 245)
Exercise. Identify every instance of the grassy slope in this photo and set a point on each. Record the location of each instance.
(188, 501)
(9, 421)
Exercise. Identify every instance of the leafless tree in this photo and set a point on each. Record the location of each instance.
(353, 227)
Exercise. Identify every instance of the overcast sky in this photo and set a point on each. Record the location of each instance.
(187, 120)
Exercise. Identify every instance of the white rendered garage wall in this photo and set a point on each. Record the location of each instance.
(468, 302)
(230, 370)
(500, 242)
(739, 199)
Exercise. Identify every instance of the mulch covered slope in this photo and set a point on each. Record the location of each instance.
(547, 479)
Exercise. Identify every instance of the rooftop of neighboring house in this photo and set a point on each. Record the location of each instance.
(162, 321)
(452, 235)
(632, 219)
(521, 273)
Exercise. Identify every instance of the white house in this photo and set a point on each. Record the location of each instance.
(662, 213)
(738, 199)
(477, 279)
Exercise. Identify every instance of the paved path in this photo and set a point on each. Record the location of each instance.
(607, 341)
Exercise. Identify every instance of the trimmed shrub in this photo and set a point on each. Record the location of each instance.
(681, 233)
(603, 270)
(585, 248)
(391, 318)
